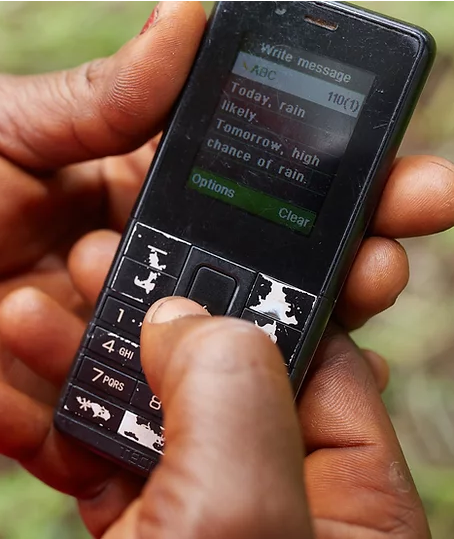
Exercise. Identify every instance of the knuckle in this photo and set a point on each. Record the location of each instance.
(404, 517)
(397, 275)
(92, 72)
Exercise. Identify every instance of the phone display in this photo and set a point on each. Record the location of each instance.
(282, 125)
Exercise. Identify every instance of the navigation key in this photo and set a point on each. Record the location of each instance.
(281, 301)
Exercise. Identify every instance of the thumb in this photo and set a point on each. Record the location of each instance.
(233, 459)
(107, 106)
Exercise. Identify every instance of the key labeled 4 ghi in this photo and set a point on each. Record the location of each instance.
(115, 347)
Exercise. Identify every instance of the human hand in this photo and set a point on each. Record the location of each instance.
(234, 464)
(46, 205)
(56, 183)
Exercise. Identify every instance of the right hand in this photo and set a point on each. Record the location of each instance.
(235, 463)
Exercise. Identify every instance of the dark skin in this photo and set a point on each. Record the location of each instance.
(237, 451)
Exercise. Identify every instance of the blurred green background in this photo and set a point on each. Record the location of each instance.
(416, 335)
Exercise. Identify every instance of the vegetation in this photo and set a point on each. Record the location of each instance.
(415, 335)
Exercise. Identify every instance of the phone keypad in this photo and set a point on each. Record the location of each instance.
(108, 394)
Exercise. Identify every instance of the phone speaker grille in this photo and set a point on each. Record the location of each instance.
(332, 26)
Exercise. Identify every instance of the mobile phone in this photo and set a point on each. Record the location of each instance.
(256, 201)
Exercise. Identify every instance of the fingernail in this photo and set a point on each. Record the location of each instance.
(151, 20)
(168, 309)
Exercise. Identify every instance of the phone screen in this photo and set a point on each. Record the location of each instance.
(279, 132)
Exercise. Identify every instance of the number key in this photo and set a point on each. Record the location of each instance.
(106, 379)
(113, 346)
(122, 316)
(145, 400)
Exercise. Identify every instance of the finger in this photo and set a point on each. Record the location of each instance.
(379, 274)
(90, 260)
(36, 215)
(99, 512)
(52, 333)
(27, 436)
(418, 198)
(379, 368)
(108, 106)
(55, 283)
(354, 452)
(123, 177)
(231, 434)
(25, 421)
(18, 376)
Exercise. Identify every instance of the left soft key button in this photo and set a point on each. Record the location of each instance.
(140, 283)
(93, 409)
(157, 249)
(117, 348)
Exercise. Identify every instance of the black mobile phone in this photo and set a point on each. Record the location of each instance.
(256, 201)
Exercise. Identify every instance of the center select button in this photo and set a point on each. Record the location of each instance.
(252, 201)
(213, 290)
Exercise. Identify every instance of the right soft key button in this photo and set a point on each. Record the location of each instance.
(281, 301)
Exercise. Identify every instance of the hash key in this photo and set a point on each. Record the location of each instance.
(119, 349)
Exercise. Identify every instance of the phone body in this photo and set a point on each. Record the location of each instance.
(257, 199)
